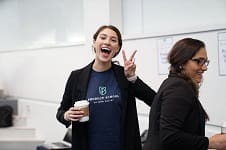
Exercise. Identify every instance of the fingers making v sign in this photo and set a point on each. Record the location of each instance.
(129, 65)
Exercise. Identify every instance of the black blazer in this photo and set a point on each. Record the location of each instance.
(177, 119)
(76, 89)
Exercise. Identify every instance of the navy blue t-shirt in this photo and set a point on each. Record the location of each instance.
(105, 111)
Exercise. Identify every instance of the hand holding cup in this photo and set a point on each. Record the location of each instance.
(83, 105)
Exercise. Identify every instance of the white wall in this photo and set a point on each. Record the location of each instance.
(212, 92)
(37, 77)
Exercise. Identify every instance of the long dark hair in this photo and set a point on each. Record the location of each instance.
(180, 54)
(112, 28)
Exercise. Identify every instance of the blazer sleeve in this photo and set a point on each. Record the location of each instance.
(143, 92)
(66, 102)
(177, 102)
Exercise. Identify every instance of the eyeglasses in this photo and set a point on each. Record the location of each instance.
(201, 61)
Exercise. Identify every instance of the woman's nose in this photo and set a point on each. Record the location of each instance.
(204, 67)
(107, 41)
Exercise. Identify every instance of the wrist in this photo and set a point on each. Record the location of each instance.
(132, 78)
(65, 116)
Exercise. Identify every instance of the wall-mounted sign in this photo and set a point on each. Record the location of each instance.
(222, 52)
(164, 46)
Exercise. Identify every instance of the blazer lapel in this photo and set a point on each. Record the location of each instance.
(83, 80)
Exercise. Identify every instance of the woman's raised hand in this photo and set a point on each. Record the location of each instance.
(129, 65)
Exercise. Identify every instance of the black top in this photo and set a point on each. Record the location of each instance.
(177, 120)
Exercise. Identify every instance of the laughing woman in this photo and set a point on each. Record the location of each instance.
(177, 118)
(113, 122)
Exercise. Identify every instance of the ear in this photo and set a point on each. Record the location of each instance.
(94, 41)
(93, 48)
(93, 45)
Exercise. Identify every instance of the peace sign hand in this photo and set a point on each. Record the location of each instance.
(129, 65)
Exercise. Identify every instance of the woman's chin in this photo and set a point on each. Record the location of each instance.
(198, 81)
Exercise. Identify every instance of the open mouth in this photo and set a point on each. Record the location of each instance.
(105, 50)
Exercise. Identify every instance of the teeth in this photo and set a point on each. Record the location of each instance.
(106, 49)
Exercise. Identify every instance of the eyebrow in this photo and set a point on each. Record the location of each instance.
(200, 58)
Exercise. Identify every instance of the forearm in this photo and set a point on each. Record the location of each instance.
(61, 118)
(218, 141)
(143, 91)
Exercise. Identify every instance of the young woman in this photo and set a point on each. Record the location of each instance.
(111, 90)
(177, 118)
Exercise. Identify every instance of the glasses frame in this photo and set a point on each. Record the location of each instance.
(201, 61)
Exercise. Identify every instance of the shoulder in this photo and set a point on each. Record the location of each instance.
(81, 74)
(177, 82)
(118, 69)
(117, 66)
(176, 86)
(84, 69)
(175, 92)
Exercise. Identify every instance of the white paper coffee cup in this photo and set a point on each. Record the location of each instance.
(84, 106)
